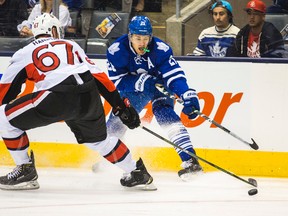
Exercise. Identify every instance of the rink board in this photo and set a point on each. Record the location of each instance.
(250, 163)
(247, 97)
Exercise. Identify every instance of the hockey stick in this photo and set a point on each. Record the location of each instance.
(250, 181)
(253, 145)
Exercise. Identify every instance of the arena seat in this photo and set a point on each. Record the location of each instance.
(88, 4)
(278, 20)
(96, 44)
(12, 44)
(81, 41)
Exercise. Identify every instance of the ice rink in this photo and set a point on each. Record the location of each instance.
(75, 192)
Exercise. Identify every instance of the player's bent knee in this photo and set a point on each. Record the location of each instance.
(6, 129)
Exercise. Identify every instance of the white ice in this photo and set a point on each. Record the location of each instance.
(75, 192)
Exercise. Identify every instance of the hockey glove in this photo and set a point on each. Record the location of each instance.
(145, 82)
(190, 103)
(127, 114)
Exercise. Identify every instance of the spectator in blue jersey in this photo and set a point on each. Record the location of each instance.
(136, 62)
(259, 38)
(218, 40)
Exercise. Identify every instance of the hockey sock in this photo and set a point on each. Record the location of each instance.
(178, 134)
(18, 148)
(16, 140)
(116, 152)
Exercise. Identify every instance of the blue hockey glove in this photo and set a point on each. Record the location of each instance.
(190, 103)
(145, 82)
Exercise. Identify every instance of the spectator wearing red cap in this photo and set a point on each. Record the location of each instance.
(259, 38)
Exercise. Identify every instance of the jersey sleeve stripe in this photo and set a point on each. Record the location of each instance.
(169, 73)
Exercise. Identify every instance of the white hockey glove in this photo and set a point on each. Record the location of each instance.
(145, 82)
(191, 103)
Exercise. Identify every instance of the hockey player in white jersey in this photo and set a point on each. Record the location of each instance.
(136, 62)
(68, 89)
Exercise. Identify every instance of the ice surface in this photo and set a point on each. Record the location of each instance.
(75, 192)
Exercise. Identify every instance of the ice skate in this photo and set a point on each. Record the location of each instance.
(190, 167)
(23, 177)
(138, 178)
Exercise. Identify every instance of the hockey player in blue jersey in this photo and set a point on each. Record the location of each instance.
(136, 62)
(218, 40)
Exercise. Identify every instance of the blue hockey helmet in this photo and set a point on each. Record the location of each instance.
(140, 25)
(224, 4)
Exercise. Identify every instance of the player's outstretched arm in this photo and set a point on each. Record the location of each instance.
(121, 107)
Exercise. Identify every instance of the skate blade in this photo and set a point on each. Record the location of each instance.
(31, 185)
(186, 177)
(146, 187)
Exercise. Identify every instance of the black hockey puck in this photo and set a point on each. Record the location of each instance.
(252, 192)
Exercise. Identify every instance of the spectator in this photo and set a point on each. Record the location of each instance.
(259, 38)
(12, 13)
(140, 5)
(278, 7)
(104, 5)
(218, 40)
(31, 3)
(74, 5)
(45, 6)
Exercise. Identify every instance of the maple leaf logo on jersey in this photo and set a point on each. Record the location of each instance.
(217, 50)
(253, 50)
(162, 46)
(114, 48)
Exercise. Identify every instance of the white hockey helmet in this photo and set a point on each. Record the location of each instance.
(42, 25)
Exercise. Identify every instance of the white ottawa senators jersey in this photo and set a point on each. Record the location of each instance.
(45, 61)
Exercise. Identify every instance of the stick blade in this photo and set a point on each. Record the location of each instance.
(254, 145)
(253, 182)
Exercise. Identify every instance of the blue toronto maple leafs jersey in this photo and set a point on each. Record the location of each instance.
(215, 43)
(125, 65)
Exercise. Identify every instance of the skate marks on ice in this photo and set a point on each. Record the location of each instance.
(81, 192)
